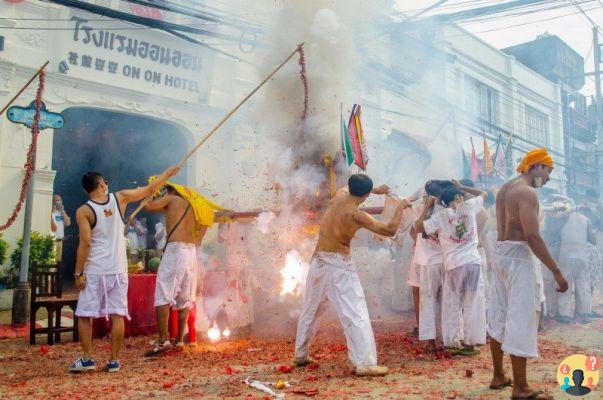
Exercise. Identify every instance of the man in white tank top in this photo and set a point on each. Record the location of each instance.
(101, 269)
(573, 260)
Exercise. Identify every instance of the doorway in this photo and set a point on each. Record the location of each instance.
(125, 148)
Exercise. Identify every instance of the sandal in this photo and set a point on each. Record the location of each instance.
(508, 383)
(535, 395)
(158, 348)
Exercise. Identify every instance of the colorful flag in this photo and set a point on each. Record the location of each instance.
(475, 164)
(500, 163)
(466, 166)
(356, 137)
(346, 145)
(487, 161)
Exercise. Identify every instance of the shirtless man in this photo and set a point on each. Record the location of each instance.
(513, 322)
(333, 275)
(101, 269)
(176, 278)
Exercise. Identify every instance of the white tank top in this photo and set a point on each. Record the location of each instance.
(108, 243)
(574, 236)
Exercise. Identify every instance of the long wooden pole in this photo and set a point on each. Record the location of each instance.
(24, 87)
(218, 125)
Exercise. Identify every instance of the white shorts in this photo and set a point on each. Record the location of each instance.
(414, 274)
(104, 295)
(514, 299)
(176, 281)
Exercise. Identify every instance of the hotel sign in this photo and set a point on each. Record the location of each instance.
(139, 59)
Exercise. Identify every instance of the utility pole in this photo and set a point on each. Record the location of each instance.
(20, 310)
(597, 59)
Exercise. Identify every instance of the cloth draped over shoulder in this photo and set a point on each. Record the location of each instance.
(533, 157)
(203, 208)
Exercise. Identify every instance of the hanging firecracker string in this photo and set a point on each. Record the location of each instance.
(29, 163)
(304, 78)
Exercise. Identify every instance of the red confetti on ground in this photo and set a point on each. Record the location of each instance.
(313, 366)
(285, 369)
(44, 349)
(468, 373)
(168, 385)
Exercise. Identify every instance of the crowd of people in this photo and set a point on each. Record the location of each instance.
(479, 266)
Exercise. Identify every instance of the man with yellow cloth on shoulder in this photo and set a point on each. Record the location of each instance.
(177, 275)
(515, 297)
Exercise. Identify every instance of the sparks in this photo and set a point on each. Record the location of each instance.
(213, 333)
(226, 333)
(292, 273)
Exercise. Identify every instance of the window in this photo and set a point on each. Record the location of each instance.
(482, 101)
(537, 126)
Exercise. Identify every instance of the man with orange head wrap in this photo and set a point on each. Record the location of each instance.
(514, 294)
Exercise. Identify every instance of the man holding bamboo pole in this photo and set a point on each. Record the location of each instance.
(333, 275)
(101, 270)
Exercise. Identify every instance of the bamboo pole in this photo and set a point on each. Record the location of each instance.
(24, 87)
(216, 127)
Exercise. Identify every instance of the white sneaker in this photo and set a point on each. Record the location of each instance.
(371, 370)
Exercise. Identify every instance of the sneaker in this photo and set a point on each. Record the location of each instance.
(158, 348)
(303, 361)
(81, 365)
(372, 370)
(113, 366)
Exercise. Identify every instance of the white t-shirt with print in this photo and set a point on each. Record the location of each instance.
(457, 232)
(428, 251)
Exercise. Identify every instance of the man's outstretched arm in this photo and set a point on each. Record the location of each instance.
(528, 216)
(381, 228)
(131, 195)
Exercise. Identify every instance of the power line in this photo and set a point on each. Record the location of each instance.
(593, 23)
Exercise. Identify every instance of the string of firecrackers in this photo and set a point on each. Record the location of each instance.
(29, 163)
(304, 79)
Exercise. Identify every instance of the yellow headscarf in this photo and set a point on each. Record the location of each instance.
(533, 157)
(202, 207)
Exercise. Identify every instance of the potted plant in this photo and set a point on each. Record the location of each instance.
(41, 251)
(7, 278)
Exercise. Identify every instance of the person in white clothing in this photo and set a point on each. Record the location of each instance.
(176, 284)
(160, 236)
(333, 275)
(456, 227)
(430, 260)
(101, 270)
(141, 232)
(573, 260)
(514, 292)
(58, 222)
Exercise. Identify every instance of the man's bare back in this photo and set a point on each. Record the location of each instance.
(507, 209)
(173, 207)
(343, 219)
(338, 225)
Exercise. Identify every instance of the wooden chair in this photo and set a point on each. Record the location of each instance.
(47, 292)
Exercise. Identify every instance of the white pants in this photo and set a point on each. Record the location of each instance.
(514, 299)
(176, 283)
(550, 292)
(430, 308)
(103, 295)
(333, 277)
(462, 293)
(576, 273)
(414, 274)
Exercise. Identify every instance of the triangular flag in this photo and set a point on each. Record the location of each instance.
(500, 163)
(475, 164)
(487, 163)
(346, 145)
(356, 138)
